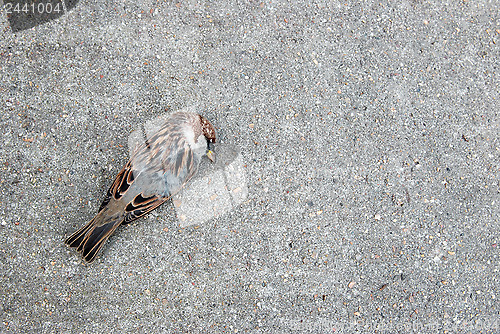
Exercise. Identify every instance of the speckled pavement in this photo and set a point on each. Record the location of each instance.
(365, 140)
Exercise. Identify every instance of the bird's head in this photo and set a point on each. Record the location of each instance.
(209, 133)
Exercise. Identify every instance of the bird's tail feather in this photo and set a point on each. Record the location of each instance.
(90, 238)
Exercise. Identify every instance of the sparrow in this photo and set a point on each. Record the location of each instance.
(156, 171)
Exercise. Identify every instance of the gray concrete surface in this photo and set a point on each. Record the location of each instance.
(370, 137)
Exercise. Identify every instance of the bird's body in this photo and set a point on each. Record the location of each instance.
(156, 170)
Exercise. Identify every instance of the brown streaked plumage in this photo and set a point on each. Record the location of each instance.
(158, 169)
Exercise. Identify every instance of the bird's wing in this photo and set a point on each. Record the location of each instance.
(155, 172)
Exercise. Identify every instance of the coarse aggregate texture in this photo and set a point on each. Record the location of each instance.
(370, 137)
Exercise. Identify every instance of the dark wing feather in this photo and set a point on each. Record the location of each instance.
(120, 185)
(141, 206)
(106, 200)
(123, 181)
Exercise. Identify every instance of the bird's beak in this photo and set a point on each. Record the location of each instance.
(211, 155)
